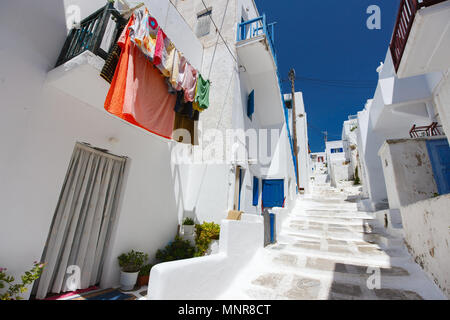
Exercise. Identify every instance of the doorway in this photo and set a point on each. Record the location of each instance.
(83, 221)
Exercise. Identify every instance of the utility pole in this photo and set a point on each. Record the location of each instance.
(325, 136)
(294, 124)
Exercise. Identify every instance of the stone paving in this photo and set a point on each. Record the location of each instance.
(329, 250)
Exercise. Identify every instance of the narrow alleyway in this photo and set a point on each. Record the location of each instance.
(329, 250)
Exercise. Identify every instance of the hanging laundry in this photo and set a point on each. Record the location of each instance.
(175, 70)
(110, 65)
(138, 92)
(189, 82)
(185, 108)
(164, 53)
(144, 32)
(181, 72)
(201, 100)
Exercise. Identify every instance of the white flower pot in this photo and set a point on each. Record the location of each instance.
(188, 230)
(128, 280)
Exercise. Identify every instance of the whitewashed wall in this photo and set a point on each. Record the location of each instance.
(426, 227)
(407, 171)
(39, 128)
(208, 277)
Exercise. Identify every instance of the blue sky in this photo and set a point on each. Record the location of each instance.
(329, 40)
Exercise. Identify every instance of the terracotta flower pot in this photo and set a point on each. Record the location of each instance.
(143, 280)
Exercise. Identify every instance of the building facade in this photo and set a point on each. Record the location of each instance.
(53, 112)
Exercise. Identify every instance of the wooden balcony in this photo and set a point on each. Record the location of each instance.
(404, 24)
(89, 35)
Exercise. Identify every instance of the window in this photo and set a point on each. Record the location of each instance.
(288, 104)
(337, 150)
(204, 22)
(251, 104)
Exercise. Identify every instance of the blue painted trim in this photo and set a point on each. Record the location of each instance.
(255, 191)
(272, 227)
(439, 154)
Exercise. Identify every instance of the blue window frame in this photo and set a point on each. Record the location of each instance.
(273, 193)
(251, 104)
(255, 191)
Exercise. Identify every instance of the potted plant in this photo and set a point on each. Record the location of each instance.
(130, 263)
(188, 226)
(144, 275)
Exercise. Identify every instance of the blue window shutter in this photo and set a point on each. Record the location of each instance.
(251, 104)
(255, 190)
(439, 153)
(273, 193)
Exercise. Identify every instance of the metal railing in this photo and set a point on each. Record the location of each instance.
(257, 27)
(405, 19)
(90, 33)
(425, 131)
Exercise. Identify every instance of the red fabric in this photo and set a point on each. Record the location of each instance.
(160, 47)
(72, 293)
(138, 92)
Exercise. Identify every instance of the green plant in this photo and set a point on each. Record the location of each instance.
(204, 234)
(132, 261)
(188, 222)
(13, 291)
(353, 128)
(357, 181)
(145, 270)
(178, 249)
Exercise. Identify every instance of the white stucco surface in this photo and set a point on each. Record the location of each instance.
(407, 171)
(208, 277)
(426, 226)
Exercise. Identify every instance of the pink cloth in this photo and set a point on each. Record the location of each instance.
(189, 82)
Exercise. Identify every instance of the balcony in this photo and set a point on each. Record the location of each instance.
(256, 50)
(82, 57)
(87, 46)
(90, 35)
(421, 40)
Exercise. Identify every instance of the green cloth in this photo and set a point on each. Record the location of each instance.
(202, 93)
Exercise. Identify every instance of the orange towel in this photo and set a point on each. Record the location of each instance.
(138, 92)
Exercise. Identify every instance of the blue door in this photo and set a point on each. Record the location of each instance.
(439, 153)
(273, 193)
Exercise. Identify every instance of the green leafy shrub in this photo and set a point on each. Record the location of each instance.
(14, 290)
(204, 234)
(132, 261)
(188, 222)
(145, 270)
(178, 249)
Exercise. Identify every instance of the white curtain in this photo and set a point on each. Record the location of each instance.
(83, 220)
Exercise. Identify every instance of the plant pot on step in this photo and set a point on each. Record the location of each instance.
(188, 230)
(143, 280)
(128, 280)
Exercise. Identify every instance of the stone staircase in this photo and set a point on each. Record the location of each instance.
(329, 250)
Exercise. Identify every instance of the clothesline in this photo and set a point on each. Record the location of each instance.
(159, 104)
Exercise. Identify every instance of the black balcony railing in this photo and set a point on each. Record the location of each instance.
(90, 33)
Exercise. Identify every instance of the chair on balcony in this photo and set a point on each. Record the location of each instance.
(425, 131)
